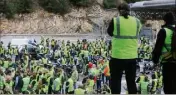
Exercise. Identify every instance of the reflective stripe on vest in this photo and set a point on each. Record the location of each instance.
(125, 38)
(117, 22)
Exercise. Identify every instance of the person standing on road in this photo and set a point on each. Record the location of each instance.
(165, 53)
(124, 31)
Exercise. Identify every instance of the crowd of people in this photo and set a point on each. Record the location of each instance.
(59, 66)
(55, 68)
(150, 79)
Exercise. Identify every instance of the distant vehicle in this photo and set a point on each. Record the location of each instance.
(21, 43)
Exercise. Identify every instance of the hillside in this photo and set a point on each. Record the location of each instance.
(94, 18)
(81, 20)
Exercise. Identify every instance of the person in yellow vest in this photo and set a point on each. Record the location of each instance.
(44, 87)
(6, 63)
(26, 81)
(45, 60)
(75, 76)
(26, 60)
(52, 43)
(141, 78)
(50, 83)
(10, 51)
(160, 83)
(8, 85)
(2, 51)
(56, 87)
(90, 85)
(42, 40)
(46, 50)
(33, 83)
(16, 53)
(154, 84)
(70, 85)
(165, 44)
(80, 90)
(47, 42)
(2, 81)
(144, 86)
(42, 51)
(156, 74)
(124, 31)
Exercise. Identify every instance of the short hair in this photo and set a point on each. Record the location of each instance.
(169, 18)
(124, 6)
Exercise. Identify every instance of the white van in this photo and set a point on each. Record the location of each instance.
(19, 42)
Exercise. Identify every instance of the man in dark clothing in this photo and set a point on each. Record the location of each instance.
(18, 83)
(169, 68)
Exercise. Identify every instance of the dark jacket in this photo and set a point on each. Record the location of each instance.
(160, 43)
(110, 28)
(18, 86)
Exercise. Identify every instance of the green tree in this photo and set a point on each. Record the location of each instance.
(109, 4)
(56, 6)
(10, 8)
(24, 6)
(2, 4)
(82, 3)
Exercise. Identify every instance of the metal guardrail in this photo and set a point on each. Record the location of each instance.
(56, 35)
(71, 34)
(75, 35)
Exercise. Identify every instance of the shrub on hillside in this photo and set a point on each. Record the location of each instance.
(109, 4)
(2, 6)
(56, 6)
(10, 8)
(82, 3)
(24, 6)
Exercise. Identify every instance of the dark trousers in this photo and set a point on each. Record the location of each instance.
(98, 84)
(117, 66)
(169, 78)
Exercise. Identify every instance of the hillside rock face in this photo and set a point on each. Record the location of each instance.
(82, 20)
